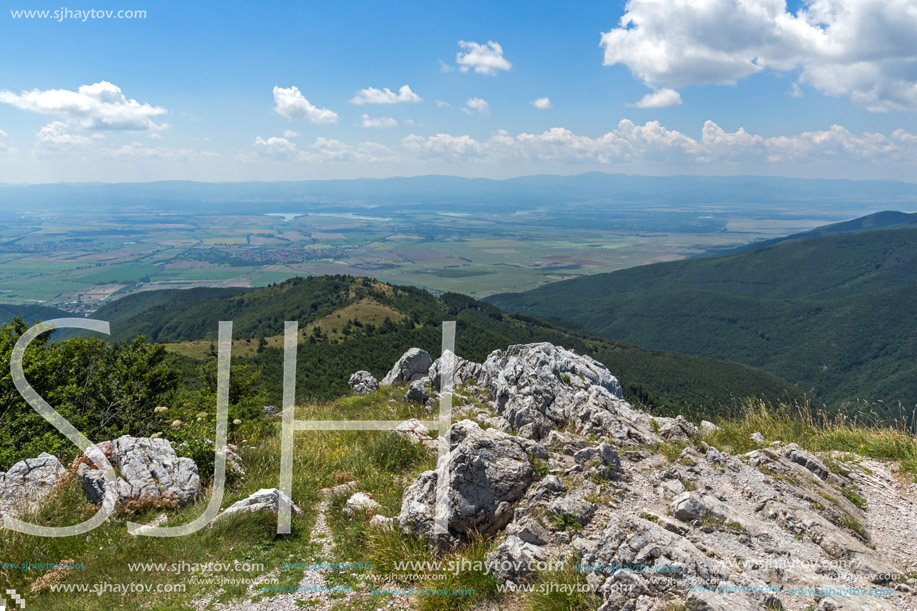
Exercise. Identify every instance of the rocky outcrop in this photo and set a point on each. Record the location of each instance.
(363, 383)
(149, 469)
(540, 387)
(649, 529)
(488, 472)
(463, 371)
(27, 483)
(413, 365)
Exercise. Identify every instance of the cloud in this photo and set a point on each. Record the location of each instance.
(367, 121)
(289, 133)
(443, 145)
(3, 134)
(137, 150)
(280, 149)
(441, 104)
(322, 150)
(795, 90)
(660, 99)
(542, 104)
(653, 142)
(100, 106)
(56, 136)
(477, 106)
(444, 67)
(484, 59)
(371, 95)
(862, 49)
(291, 104)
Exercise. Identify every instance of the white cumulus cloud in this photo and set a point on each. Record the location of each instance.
(862, 49)
(291, 104)
(483, 59)
(653, 142)
(56, 136)
(371, 95)
(322, 150)
(477, 106)
(443, 145)
(100, 106)
(660, 99)
(542, 104)
(289, 133)
(367, 121)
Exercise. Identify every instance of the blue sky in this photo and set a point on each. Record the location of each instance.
(204, 90)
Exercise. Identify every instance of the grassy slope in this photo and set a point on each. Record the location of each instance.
(834, 314)
(671, 382)
(378, 462)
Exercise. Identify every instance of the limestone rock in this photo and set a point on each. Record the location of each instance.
(678, 429)
(514, 559)
(266, 499)
(488, 472)
(575, 508)
(417, 392)
(413, 365)
(361, 502)
(463, 371)
(23, 487)
(149, 470)
(540, 387)
(363, 382)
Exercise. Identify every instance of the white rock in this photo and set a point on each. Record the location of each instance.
(28, 482)
(361, 502)
(413, 365)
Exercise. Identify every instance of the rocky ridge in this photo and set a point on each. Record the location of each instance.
(552, 461)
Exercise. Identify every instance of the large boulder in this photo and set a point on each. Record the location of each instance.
(23, 487)
(463, 371)
(542, 387)
(363, 382)
(413, 365)
(149, 469)
(488, 472)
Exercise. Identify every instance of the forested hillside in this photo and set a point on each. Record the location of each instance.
(349, 323)
(833, 314)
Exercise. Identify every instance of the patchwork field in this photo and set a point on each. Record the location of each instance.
(80, 258)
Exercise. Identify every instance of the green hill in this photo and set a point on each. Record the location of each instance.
(887, 219)
(30, 313)
(834, 314)
(349, 323)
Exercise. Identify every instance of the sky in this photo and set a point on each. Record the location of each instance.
(227, 91)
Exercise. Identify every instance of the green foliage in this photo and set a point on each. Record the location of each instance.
(851, 495)
(833, 314)
(107, 390)
(817, 431)
(564, 589)
(104, 390)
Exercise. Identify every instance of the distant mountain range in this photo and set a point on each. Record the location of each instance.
(468, 194)
(833, 310)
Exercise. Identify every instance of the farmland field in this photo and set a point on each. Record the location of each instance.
(77, 258)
